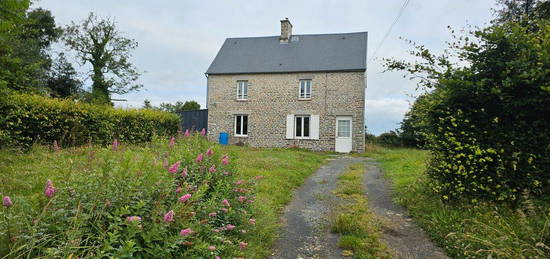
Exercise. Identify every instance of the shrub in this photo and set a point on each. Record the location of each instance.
(28, 119)
(486, 126)
(174, 202)
(390, 139)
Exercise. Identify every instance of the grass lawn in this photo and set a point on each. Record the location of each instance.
(358, 227)
(22, 177)
(480, 231)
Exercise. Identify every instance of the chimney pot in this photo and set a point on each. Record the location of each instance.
(286, 31)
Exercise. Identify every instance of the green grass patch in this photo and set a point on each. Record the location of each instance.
(104, 186)
(484, 230)
(358, 227)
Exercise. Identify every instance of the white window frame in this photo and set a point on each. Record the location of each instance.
(242, 90)
(307, 84)
(302, 126)
(242, 125)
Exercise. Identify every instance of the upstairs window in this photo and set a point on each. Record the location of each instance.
(241, 125)
(242, 90)
(301, 126)
(305, 89)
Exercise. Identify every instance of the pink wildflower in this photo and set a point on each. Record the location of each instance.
(49, 191)
(225, 173)
(258, 177)
(7, 201)
(169, 216)
(224, 210)
(199, 158)
(178, 190)
(242, 199)
(252, 221)
(212, 214)
(185, 197)
(56, 147)
(184, 172)
(217, 257)
(209, 152)
(216, 230)
(186, 134)
(212, 248)
(133, 218)
(186, 232)
(212, 169)
(242, 245)
(203, 132)
(225, 160)
(175, 167)
(172, 142)
(230, 227)
(239, 182)
(225, 202)
(115, 144)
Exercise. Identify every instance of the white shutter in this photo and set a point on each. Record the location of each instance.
(290, 126)
(314, 126)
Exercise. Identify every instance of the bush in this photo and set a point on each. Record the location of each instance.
(390, 139)
(28, 119)
(116, 204)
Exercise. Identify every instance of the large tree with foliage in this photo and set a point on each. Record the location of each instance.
(177, 107)
(63, 79)
(488, 128)
(98, 43)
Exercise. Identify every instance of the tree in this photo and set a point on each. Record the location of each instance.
(521, 10)
(415, 126)
(486, 127)
(97, 42)
(147, 105)
(179, 106)
(63, 81)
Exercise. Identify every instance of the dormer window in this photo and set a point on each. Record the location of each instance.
(242, 90)
(305, 89)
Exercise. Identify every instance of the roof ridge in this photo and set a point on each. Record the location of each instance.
(314, 34)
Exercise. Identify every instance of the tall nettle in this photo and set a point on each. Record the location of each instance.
(172, 142)
(203, 132)
(49, 191)
(7, 201)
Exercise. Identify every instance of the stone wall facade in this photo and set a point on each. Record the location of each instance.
(271, 97)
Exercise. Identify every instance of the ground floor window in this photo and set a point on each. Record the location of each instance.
(241, 125)
(301, 126)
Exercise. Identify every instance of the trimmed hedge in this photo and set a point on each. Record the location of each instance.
(28, 119)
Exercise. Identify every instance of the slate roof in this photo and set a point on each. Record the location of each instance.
(304, 53)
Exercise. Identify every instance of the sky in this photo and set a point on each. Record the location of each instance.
(178, 39)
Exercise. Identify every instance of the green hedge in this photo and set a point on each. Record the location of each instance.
(28, 119)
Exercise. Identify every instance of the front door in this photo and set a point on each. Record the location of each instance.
(343, 134)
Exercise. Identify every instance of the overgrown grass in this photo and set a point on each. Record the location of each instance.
(358, 227)
(22, 176)
(473, 231)
(283, 170)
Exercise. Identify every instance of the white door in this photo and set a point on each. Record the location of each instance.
(343, 134)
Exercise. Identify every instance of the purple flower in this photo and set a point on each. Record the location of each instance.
(133, 218)
(242, 199)
(252, 221)
(243, 245)
(186, 134)
(172, 142)
(209, 152)
(225, 202)
(174, 168)
(185, 197)
(212, 169)
(178, 190)
(203, 132)
(169, 216)
(115, 144)
(49, 191)
(230, 227)
(184, 172)
(239, 182)
(212, 214)
(186, 232)
(199, 158)
(225, 160)
(7, 201)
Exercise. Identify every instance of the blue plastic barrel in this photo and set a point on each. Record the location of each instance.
(224, 138)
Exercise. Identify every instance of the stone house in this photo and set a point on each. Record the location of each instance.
(305, 91)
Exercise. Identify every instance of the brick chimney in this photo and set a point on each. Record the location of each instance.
(286, 31)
